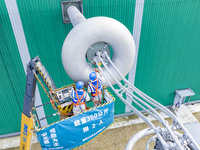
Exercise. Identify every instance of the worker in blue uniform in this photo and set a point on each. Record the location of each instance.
(79, 96)
(95, 87)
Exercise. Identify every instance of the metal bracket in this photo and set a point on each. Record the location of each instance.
(181, 95)
(66, 4)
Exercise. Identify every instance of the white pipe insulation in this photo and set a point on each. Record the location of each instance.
(75, 16)
(87, 32)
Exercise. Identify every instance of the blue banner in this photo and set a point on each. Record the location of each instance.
(77, 130)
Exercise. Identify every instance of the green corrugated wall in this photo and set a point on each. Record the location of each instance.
(167, 59)
(12, 77)
(169, 52)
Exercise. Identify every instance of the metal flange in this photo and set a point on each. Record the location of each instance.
(66, 4)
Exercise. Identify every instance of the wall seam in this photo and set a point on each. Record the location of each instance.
(136, 35)
(18, 31)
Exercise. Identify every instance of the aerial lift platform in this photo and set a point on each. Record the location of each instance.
(113, 53)
(58, 135)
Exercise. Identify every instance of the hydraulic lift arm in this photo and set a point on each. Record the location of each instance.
(34, 66)
(29, 100)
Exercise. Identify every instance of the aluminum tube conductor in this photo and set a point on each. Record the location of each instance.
(150, 140)
(157, 105)
(75, 16)
(138, 136)
(163, 122)
(135, 110)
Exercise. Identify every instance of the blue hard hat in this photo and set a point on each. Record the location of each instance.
(79, 85)
(92, 76)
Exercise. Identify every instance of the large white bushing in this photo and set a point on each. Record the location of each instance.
(89, 32)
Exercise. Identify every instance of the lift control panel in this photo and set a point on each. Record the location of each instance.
(64, 94)
(61, 99)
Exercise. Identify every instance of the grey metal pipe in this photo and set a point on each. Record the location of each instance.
(130, 95)
(75, 16)
(146, 110)
(138, 136)
(136, 111)
(149, 142)
(163, 122)
(156, 104)
(137, 90)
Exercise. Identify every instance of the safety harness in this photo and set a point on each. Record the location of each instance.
(96, 89)
(79, 99)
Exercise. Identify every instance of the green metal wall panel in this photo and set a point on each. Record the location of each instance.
(169, 49)
(12, 77)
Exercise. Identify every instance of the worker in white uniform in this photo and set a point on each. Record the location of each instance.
(95, 87)
(79, 96)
